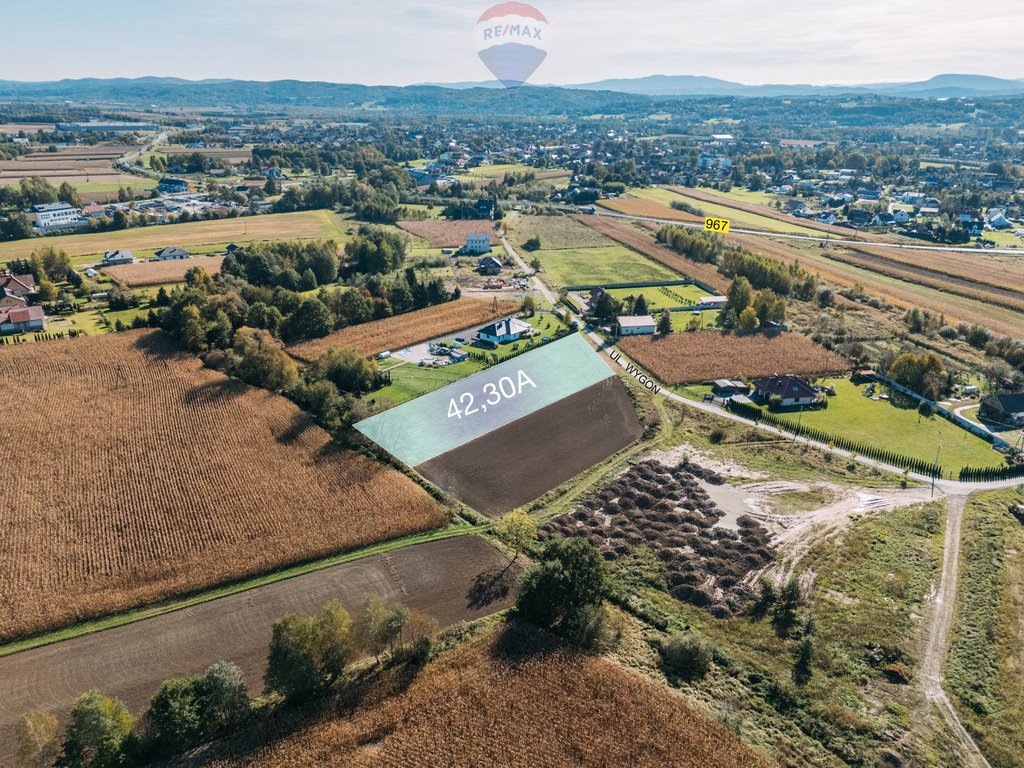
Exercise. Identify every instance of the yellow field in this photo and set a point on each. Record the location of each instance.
(313, 225)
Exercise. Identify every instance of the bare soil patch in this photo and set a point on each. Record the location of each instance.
(527, 458)
(449, 234)
(145, 273)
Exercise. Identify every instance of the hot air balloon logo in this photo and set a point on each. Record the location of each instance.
(512, 40)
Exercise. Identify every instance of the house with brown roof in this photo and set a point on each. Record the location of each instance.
(18, 285)
(787, 391)
(22, 320)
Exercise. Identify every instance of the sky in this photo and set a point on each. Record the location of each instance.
(399, 42)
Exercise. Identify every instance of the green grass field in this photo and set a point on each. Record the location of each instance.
(600, 266)
(904, 430)
(664, 296)
(681, 320)
(214, 235)
(409, 381)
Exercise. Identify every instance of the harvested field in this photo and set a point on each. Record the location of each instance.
(898, 291)
(690, 358)
(647, 208)
(668, 511)
(133, 474)
(313, 225)
(402, 330)
(512, 699)
(556, 232)
(551, 445)
(146, 273)
(441, 233)
(630, 236)
(130, 662)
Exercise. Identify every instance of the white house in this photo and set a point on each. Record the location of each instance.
(172, 254)
(638, 325)
(505, 331)
(997, 219)
(478, 243)
(57, 216)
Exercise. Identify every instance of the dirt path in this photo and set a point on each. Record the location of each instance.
(440, 578)
(940, 623)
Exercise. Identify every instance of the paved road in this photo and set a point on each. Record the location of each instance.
(813, 239)
(130, 662)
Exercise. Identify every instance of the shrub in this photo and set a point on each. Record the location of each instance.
(717, 435)
(687, 655)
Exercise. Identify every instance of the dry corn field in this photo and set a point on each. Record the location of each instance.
(478, 706)
(133, 474)
(410, 328)
(145, 273)
(689, 358)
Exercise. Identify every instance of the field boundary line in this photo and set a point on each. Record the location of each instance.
(112, 621)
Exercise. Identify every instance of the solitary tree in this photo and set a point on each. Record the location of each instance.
(307, 655)
(665, 323)
(517, 531)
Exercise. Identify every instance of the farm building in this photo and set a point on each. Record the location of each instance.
(169, 186)
(114, 258)
(22, 320)
(713, 302)
(18, 285)
(639, 325)
(489, 266)
(477, 243)
(56, 216)
(790, 391)
(1004, 409)
(172, 254)
(504, 331)
(727, 388)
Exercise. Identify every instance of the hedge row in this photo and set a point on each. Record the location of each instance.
(987, 474)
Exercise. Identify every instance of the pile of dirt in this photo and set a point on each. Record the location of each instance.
(667, 510)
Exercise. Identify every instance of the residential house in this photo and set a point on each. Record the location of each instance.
(902, 217)
(826, 217)
(788, 391)
(997, 219)
(233, 248)
(505, 331)
(172, 253)
(794, 206)
(1003, 409)
(638, 325)
(18, 285)
(479, 242)
(489, 266)
(882, 220)
(859, 217)
(10, 300)
(708, 162)
(115, 258)
(22, 320)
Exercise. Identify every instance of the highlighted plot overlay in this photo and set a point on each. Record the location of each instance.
(505, 436)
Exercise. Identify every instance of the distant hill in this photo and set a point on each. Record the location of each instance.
(690, 85)
(608, 97)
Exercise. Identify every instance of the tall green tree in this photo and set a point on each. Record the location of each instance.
(97, 732)
(308, 655)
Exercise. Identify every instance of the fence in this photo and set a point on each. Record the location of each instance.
(657, 284)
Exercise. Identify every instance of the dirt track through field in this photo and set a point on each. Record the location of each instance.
(439, 578)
